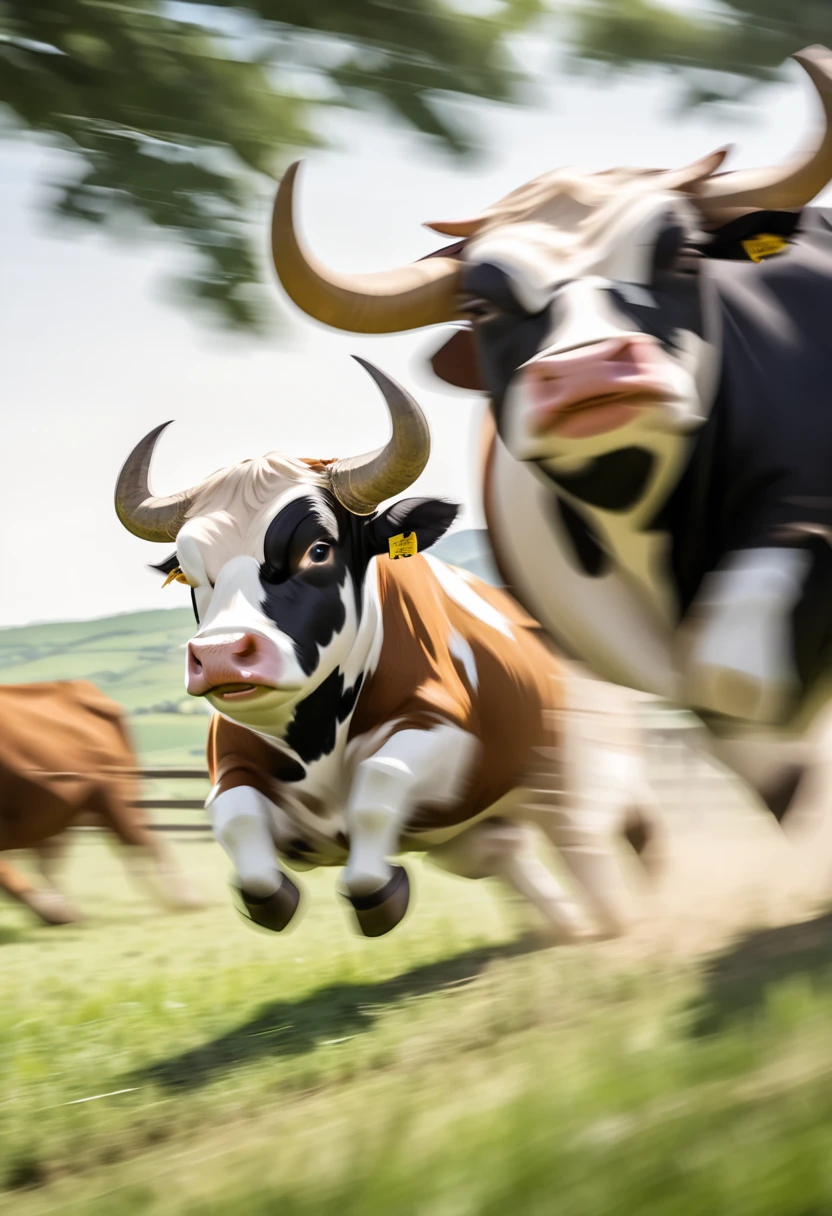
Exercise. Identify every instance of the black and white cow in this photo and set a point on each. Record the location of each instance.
(369, 706)
(655, 346)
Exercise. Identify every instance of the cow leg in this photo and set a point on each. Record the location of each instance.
(411, 767)
(742, 660)
(241, 818)
(49, 905)
(506, 851)
(146, 856)
(50, 854)
(586, 818)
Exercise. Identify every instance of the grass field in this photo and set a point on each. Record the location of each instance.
(449, 1069)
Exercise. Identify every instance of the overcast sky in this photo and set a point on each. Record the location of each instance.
(93, 355)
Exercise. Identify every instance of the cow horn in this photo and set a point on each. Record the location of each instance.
(387, 302)
(141, 513)
(360, 483)
(785, 187)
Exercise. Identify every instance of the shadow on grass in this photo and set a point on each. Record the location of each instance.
(9, 934)
(737, 981)
(290, 1028)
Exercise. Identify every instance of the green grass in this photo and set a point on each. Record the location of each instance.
(448, 1069)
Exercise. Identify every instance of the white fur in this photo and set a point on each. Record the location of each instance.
(463, 594)
(411, 767)
(240, 820)
(742, 661)
(463, 653)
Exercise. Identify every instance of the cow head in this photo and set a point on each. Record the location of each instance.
(583, 301)
(276, 552)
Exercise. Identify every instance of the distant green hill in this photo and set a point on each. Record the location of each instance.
(138, 660)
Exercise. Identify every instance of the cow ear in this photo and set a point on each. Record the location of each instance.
(456, 362)
(427, 518)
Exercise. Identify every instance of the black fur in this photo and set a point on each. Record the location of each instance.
(613, 481)
(169, 564)
(312, 731)
(587, 552)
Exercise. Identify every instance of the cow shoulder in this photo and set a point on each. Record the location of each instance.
(239, 756)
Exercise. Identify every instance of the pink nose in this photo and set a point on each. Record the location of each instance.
(244, 659)
(606, 376)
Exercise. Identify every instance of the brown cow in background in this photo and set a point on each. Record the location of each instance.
(65, 754)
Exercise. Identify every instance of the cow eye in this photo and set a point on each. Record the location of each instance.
(480, 312)
(316, 555)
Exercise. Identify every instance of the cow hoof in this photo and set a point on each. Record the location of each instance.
(275, 911)
(382, 910)
(52, 908)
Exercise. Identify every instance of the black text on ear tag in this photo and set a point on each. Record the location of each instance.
(403, 545)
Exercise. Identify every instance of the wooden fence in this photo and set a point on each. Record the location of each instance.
(685, 782)
(174, 804)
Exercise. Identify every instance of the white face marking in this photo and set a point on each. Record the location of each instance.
(235, 610)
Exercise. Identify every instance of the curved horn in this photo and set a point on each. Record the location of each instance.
(387, 302)
(788, 186)
(141, 513)
(360, 483)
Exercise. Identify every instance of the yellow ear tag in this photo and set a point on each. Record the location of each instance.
(403, 545)
(177, 576)
(764, 246)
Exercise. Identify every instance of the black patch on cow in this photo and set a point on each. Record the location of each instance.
(282, 536)
(675, 308)
(429, 518)
(726, 243)
(669, 244)
(167, 566)
(510, 336)
(307, 605)
(614, 481)
(588, 553)
(485, 281)
(312, 732)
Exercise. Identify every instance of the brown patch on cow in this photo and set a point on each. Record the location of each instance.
(419, 682)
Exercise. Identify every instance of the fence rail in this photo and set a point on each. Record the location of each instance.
(173, 804)
(684, 781)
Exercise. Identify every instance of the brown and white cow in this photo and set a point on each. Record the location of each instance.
(658, 484)
(65, 755)
(369, 706)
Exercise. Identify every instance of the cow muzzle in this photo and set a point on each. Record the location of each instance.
(596, 388)
(232, 667)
